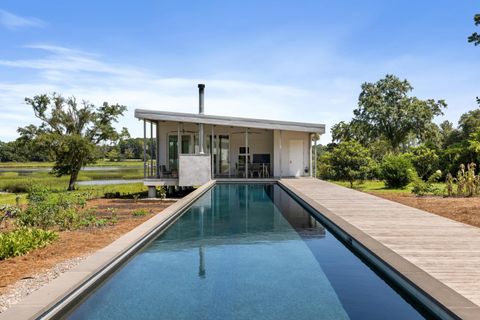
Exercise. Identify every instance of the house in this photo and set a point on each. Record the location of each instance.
(187, 149)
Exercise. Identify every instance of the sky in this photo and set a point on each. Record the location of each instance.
(286, 60)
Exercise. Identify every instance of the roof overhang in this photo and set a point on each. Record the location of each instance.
(151, 115)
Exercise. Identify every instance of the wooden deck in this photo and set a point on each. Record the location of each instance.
(447, 250)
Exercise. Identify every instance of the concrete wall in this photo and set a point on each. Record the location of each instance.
(194, 170)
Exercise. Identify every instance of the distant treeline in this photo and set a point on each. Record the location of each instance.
(26, 148)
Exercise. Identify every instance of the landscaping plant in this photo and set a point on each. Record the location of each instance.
(22, 240)
(467, 183)
(421, 188)
(349, 161)
(139, 213)
(397, 171)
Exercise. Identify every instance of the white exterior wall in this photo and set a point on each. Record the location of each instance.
(282, 157)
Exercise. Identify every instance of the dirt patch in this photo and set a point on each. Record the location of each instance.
(72, 244)
(466, 210)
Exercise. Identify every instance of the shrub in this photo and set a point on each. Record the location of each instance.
(425, 161)
(421, 188)
(46, 209)
(397, 171)
(139, 213)
(20, 241)
(349, 161)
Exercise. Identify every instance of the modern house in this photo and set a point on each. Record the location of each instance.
(190, 149)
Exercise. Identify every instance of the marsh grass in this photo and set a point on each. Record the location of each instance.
(19, 182)
(99, 163)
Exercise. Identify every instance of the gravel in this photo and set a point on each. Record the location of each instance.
(22, 288)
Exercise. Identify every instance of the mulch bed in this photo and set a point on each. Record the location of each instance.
(78, 243)
(466, 210)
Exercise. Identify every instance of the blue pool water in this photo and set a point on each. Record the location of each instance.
(245, 252)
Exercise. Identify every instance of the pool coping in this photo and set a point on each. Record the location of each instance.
(50, 300)
(443, 301)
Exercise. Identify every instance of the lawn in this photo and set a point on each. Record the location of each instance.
(375, 186)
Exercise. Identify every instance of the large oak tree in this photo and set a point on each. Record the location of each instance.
(73, 130)
(387, 111)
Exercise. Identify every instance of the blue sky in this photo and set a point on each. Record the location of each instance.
(287, 60)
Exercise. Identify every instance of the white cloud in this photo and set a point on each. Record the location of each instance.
(329, 98)
(88, 76)
(12, 21)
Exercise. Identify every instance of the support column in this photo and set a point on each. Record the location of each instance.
(315, 144)
(211, 151)
(179, 146)
(217, 152)
(246, 153)
(200, 138)
(152, 192)
(159, 170)
(310, 136)
(280, 153)
(151, 149)
(144, 149)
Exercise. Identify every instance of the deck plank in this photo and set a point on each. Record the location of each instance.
(447, 250)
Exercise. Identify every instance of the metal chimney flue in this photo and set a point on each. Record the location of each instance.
(201, 92)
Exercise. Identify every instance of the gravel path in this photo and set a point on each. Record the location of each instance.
(24, 287)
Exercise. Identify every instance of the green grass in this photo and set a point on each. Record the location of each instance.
(379, 187)
(99, 163)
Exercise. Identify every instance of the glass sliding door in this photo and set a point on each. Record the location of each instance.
(172, 152)
(186, 142)
(221, 153)
(224, 155)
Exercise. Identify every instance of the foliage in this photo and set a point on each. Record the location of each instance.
(397, 171)
(46, 210)
(161, 192)
(425, 161)
(385, 110)
(22, 240)
(349, 161)
(8, 212)
(466, 183)
(421, 188)
(72, 131)
(139, 213)
(475, 37)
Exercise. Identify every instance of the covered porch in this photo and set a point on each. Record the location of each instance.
(176, 152)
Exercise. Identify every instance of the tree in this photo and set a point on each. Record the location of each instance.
(349, 161)
(73, 130)
(469, 123)
(385, 110)
(475, 37)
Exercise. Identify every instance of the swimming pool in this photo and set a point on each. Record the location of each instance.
(246, 251)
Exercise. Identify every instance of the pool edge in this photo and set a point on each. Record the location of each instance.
(437, 297)
(51, 300)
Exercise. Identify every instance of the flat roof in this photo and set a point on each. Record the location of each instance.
(152, 115)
